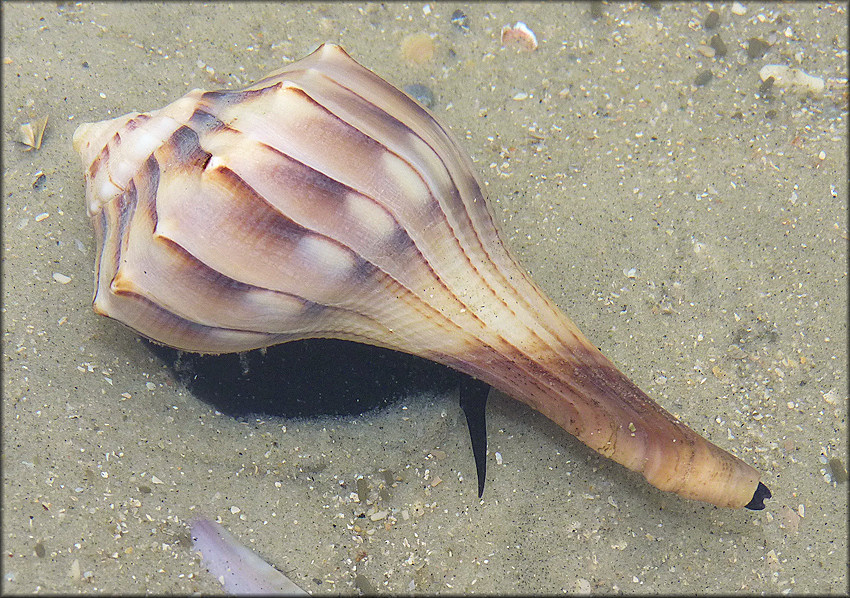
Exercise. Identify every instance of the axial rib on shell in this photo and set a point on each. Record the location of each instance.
(323, 202)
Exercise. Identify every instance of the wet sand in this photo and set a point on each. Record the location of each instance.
(696, 233)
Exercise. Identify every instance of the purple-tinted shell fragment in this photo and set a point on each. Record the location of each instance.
(239, 569)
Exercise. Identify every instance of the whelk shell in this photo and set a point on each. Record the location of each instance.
(323, 202)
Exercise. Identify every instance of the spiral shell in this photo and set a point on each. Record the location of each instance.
(323, 202)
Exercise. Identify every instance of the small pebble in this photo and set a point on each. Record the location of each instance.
(499, 458)
(712, 19)
(719, 45)
(766, 87)
(839, 473)
(460, 21)
(61, 278)
(235, 510)
(42, 216)
(706, 51)
(756, 48)
(739, 9)
(421, 94)
(703, 78)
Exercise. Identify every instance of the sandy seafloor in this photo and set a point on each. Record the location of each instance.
(697, 234)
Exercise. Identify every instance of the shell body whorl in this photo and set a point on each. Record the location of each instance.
(322, 202)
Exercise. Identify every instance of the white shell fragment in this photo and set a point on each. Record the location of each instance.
(32, 134)
(240, 570)
(785, 76)
(323, 202)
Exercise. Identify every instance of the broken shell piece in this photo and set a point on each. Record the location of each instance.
(519, 36)
(239, 569)
(32, 133)
(785, 76)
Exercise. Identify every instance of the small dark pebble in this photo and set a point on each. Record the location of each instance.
(460, 20)
(770, 114)
(766, 88)
(39, 550)
(421, 94)
(85, 64)
(596, 11)
(145, 489)
(756, 48)
(703, 78)
(738, 115)
(839, 473)
(362, 583)
(712, 19)
(718, 44)
(653, 4)
(362, 490)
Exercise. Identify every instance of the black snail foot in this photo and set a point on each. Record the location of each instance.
(757, 503)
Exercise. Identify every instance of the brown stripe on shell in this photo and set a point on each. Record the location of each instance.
(360, 108)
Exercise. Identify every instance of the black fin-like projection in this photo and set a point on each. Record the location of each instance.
(473, 401)
(761, 494)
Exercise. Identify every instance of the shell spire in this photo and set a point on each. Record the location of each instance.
(323, 202)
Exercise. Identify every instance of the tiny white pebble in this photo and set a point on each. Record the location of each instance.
(150, 385)
(822, 155)
(801, 510)
(102, 95)
(630, 273)
(155, 480)
(521, 96)
(739, 9)
(499, 458)
(235, 510)
(61, 278)
(42, 216)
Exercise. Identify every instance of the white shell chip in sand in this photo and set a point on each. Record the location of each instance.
(785, 76)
